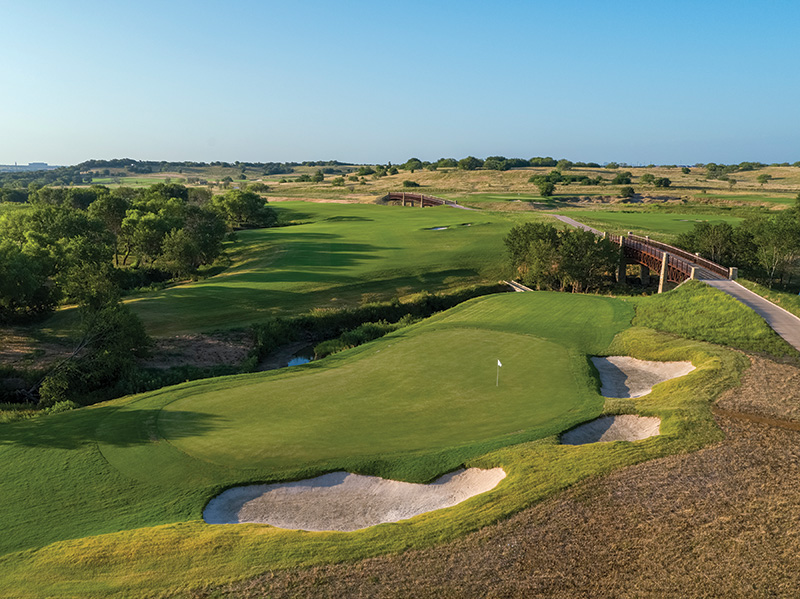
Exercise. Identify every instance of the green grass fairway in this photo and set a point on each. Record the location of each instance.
(646, 223)
(344, 254)
(106, 501)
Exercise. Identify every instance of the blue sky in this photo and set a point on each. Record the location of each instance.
(637, 82)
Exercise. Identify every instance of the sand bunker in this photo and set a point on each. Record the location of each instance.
(345, 502)
(622, 376)
(613, 428)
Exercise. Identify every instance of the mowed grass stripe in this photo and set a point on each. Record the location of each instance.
(342, 255)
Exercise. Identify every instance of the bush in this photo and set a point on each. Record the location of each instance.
(410, 184)
(627, 192)
(622, 178)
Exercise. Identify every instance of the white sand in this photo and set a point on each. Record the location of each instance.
(626, 427)
(622, 376)
(344, 502)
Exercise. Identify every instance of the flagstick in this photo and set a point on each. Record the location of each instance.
(497, 384)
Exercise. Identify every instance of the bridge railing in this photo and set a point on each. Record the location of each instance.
(417, 197)
(688, 256)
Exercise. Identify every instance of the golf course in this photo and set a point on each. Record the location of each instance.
(108, 499)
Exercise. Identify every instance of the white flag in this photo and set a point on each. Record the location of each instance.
(498, 363)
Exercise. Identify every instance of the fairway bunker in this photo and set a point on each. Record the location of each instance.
(626, 427)
(622, 376)
(344, 502)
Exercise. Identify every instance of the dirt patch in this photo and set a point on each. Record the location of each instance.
(625, 427)
(345, 502)
(20, 350)
(622, 376)
(721, 522)
(772, 390)
(200, 350)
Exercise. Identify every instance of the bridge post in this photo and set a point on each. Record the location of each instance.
(733, 273)
(622, 269)
(644, 274)
(693, 276)
(663, 277)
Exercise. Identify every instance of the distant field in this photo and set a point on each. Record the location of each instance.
(788, 200)
(345, 254)
(131, 181)
(645, 223)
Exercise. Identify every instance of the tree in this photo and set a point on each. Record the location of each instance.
(470, 163)
(496, 163)
(662, 182)
(686, 170)
(25, 288)
(244, 208)
(412, 164)
(622, 178)
(546, 188)
(545, 258)
(647, 178)
(626, 192)
(318, 177)
(776, 241)
(763, 178)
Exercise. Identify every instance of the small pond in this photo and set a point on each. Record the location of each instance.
(302, 356)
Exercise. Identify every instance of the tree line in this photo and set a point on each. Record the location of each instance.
(763, 247)
(124, 235)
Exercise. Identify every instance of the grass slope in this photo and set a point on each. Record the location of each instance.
(345, 253)
(698, 311)
(106, 501)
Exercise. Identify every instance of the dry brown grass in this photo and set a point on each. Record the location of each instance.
(773, 390)
(230, 348)
(721, 522)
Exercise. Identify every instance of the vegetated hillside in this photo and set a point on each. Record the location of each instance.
(144, 466)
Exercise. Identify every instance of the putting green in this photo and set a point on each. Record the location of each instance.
(425, 392)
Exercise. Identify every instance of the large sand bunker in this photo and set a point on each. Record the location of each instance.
(345, 502)
(622, 376)
(626, 427)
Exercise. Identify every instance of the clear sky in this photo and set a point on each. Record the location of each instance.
(638, 82)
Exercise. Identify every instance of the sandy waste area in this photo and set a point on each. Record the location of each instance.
(623, 376)
(626, 427)
(342, 501)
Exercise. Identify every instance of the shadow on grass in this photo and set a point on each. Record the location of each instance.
(109, 425)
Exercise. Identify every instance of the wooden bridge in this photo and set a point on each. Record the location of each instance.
(674, 265)
(418, 199)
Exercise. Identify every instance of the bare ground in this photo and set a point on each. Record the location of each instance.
(773, 390)
(720, 522)
(20, 349)
(230, 348)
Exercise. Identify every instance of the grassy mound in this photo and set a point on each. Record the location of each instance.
(697, 311)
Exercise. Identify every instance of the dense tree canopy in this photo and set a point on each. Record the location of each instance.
(543, 257)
